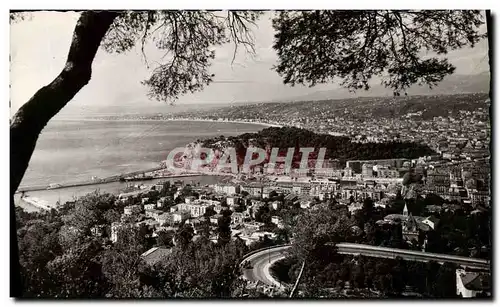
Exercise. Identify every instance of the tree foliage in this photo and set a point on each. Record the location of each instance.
(338, 147)
(316, 228)
(389, 277)
(224, 227)
(201, 269)
(188, 39)
(53, 264)
(318, 46)
(77, 272)
(90, 210)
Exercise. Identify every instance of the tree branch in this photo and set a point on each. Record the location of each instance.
(32, 117)
(149, 22)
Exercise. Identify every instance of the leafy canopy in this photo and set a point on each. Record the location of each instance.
(402, 47)
(188, 39)
(315, 47)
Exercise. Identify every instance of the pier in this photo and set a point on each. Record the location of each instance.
(110, 179)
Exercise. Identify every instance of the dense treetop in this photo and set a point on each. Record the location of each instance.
(337, 147)
(318, 46)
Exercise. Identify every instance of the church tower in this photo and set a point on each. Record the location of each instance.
(410, 229)
(405, 210)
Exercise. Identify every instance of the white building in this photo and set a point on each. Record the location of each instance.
(159, 203)
(348, 172)
(278, 221)
(254, 237)
(179, 216)
(153, 213)
(355, 206)
(232, 200)
(115, 228)
(214, 219)
(129, 210)
(276, 204)
(164, 218)
(297, 190)
(197, 210)
(149, 206)
(237, 218)
(305, 204)
(431, 221)
(229, 189)
(367, 170)
(384, 171)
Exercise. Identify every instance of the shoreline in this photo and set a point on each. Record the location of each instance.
(334, 133)
(97, 185)
(172, 120)
(69, 193)
(227, 121)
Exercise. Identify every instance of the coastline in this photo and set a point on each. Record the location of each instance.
(244, 122)
(227, 121)
(70, 193)
(172, 120)
(42, 195)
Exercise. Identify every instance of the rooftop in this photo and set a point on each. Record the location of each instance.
(477, 281)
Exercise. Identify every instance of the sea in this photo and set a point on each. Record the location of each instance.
(75, 149)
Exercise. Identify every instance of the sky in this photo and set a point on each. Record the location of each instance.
(39, 48)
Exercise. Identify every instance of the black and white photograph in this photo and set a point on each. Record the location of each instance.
(284, 154)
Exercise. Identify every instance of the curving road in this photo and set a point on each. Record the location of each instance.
(262, 260)
(261, 263)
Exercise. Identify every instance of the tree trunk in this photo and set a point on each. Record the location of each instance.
(32, 117)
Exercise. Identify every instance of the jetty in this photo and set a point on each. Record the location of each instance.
(136, 175)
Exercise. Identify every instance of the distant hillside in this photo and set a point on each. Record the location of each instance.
(454, 84)
(426, 106)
